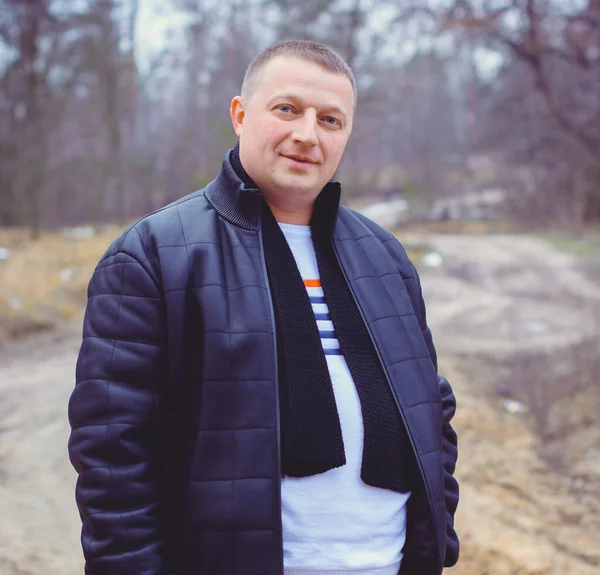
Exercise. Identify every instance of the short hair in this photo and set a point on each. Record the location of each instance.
(305, 50)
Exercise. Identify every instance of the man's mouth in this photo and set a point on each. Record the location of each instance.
(299, 159)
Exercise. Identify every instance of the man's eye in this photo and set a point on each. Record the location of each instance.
(332, 121)
(283, 108)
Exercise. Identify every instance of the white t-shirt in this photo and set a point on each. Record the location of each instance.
(333, 522)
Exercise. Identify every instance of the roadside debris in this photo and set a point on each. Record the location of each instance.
(15, 303)
(432, 260)
(503, 390)
(388, 214)
(79, 233)
(514, 407)
(534, 326)
(66, 274)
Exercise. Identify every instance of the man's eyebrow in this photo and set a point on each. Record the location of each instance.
(297, 98)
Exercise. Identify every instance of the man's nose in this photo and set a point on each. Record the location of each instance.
(306, 130)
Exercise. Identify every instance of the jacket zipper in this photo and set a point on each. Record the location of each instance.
(387, 378)
(276, 376)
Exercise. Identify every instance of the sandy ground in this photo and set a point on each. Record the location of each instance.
(493, 294)
(39, 525)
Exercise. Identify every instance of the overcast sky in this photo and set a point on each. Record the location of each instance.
(157, 17)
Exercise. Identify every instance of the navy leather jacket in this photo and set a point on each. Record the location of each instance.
(174, 416)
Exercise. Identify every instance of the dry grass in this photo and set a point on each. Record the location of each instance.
(582, 246)
(467, 227)
(586, 242)
(33, 295)
(33, 276)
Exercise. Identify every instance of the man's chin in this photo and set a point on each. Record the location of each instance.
(297, 185)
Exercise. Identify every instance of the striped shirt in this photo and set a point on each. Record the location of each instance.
(333, 522)
(331, 345)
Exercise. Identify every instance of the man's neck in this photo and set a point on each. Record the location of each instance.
(299, 217)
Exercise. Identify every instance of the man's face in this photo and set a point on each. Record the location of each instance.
(293, 129)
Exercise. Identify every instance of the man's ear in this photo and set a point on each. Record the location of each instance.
(237, 113)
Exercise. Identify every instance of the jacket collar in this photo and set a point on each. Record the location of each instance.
(241, 204)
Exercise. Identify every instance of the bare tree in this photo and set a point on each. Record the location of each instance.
(559, 45)
(26, 85)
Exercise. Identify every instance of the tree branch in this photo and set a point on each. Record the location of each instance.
(530, 50)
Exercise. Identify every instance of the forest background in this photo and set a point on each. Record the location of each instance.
(105, 116)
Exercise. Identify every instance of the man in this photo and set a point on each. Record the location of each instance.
(257, 388)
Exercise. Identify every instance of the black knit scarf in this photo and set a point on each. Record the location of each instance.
(311, 436)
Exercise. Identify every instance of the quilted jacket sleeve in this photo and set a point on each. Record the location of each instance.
(449, 438)
(114, 416)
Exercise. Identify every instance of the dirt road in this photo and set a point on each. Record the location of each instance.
(39, 529)
(493, 294)
(499, 293)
